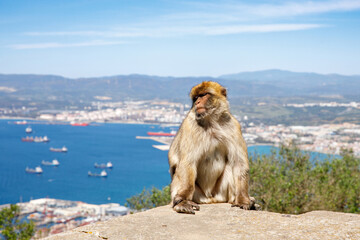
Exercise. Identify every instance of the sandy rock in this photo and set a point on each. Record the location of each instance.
(220, 221)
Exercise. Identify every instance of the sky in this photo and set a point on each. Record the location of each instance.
(93, 38)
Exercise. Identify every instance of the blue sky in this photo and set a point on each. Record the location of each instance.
(89, 38)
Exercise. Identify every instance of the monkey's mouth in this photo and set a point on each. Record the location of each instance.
(200, 110)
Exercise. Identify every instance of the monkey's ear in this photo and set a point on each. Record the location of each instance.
(224, 92)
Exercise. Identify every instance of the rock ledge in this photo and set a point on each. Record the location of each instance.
(220, 221)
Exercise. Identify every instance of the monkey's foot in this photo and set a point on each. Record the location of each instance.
(242, 206)
(248, 206)
(186, 206)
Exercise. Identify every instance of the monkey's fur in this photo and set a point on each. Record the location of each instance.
(208, 158)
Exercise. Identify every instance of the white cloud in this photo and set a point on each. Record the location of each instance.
(65, 45)
(303, 8)
(206, 19)
(259, 28)
(172, 31)
(126, 33)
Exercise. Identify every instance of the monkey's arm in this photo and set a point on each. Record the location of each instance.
(183, 187)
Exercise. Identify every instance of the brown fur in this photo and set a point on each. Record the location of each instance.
(208, 157)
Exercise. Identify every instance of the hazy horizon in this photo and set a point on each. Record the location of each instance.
(163, 76)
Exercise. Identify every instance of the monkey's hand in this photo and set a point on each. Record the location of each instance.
(185, 206)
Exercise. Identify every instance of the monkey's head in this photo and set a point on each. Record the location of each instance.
(208, 98)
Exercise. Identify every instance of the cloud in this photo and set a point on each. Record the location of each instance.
(126, 33)
(260, 28)
(303, 8)
(205, 19)
(65, 45)
(170, 31)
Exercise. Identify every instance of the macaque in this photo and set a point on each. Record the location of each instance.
(208, 158)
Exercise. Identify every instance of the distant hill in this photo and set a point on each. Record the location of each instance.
(286, 83)
(141, 87)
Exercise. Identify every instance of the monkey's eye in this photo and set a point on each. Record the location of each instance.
(203, 94)
(199, 96)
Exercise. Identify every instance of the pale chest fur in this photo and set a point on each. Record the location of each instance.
(211, 155)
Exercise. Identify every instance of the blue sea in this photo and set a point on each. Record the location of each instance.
(137, 165)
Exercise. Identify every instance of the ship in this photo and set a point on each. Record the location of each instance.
(102, 174)
(81, 124)
(162, 134)
(103, 165)
(41, 139)
(27, 139)
(35, 139)
(45, 139)
(21, 122)
(28, 130)
(54, 162)
(37, 170)
(63, 149)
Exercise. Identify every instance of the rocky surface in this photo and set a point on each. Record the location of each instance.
(221, 221)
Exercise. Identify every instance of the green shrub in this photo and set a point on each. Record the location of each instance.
(149, 199)
(288, 181)
(11, 227)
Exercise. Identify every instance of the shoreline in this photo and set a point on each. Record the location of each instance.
(90, 122)
(40, 121)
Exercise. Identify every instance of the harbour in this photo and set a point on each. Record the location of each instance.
(138, 161)
(135, 162)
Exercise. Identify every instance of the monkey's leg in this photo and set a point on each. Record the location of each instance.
(242, 198)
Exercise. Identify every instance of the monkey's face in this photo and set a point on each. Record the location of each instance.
(208, 98)
(201, 103)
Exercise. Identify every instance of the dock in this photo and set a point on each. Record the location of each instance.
(166, 141)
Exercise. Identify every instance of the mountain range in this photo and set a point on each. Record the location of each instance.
(268, 83)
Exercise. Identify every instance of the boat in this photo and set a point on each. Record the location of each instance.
(41, 139)
(102, 174)
(162, 134)
(35, 139)
(81, 124)
(28, 130)
(27, 139)
(46, 139)
(63, 149)
(103, 165)
(21, 122)
(37, 170)
(54, 162)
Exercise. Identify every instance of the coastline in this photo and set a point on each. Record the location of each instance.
(42, 121)
(91, 122)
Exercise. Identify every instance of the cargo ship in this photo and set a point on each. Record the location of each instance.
(21, 122)
(162, 134)
(37, 170)
(27, 139)
(103, 165)
(63, 149)
(79, 124)
(35, 139)
(54, 162)
(102, 174)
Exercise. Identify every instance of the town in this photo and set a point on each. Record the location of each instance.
(324, 138)
(53, 216)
